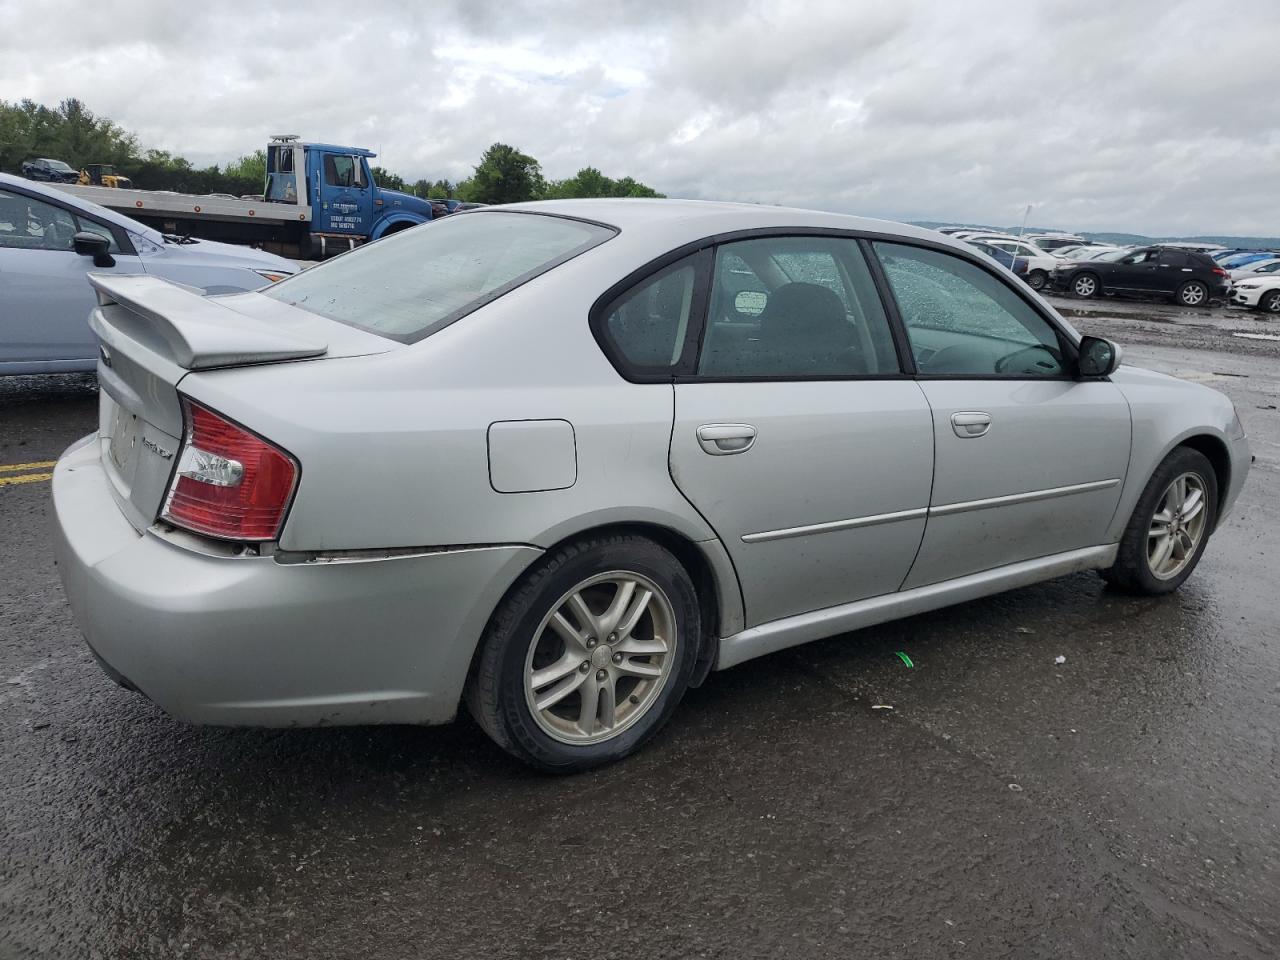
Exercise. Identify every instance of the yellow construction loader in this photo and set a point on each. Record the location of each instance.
(103, 175)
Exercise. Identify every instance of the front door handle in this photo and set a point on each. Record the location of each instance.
(722, 439)
(970, 424)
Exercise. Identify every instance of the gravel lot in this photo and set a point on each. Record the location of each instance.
(1120, 804)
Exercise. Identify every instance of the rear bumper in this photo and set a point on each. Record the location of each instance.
(215, 638)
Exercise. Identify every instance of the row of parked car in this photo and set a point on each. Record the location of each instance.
(1191, 273)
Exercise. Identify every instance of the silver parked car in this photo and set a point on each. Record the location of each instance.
(50, 240)
(559, 461)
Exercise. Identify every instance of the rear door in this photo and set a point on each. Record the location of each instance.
(1029, 460)
(45, 297)
(796, 434)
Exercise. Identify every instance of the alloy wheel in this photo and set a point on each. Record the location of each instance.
(1192, 295)
(1271, 303)
(599, 659)
(1085, 286)
(1177, 527)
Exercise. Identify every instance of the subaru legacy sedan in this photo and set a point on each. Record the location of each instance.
(50, 241)
(560, 461)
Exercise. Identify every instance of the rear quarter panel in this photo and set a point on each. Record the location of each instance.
(394, 448)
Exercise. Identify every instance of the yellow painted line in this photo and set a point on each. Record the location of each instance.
(25, 478)
(15, 467)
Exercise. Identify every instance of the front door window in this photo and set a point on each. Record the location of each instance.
(964, 321)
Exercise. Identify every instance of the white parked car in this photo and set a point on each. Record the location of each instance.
(1262, 293)
(1053, 242)
(50, 241)
(1040, 263)
(1088, 252)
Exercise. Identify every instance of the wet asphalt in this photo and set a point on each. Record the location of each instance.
(1121, 803)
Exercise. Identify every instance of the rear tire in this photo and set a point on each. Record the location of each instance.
(1193, 293)
(565, 637)
(1170, 526)
(1037, 279)
(1086, 285)
(1270, 302)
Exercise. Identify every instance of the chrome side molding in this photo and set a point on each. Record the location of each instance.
(947, 509)
(875, 520)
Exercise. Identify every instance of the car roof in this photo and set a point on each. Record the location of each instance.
(88, 206)
(694, 219)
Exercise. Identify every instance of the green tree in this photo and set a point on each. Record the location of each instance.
(252, 166)
(435, 189)
(385, 178)
(590, 182)
(505, 175)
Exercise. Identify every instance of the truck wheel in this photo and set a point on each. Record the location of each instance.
(589, 655)
(1170, 526)
(1086, 285)
(1036, 279)
(1193, 293)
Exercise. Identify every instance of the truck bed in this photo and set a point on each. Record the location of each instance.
(158, 203)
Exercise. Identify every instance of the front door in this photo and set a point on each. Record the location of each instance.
(1138, 271)
(345, 198)
(1029, 460)
(45, 298)
(798, 437)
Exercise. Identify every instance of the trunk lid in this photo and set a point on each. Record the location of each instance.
(152, 333)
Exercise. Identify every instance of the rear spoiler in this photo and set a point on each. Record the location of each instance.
(197, 332)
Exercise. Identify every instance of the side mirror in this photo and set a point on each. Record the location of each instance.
(89, 244)
(1097, 357)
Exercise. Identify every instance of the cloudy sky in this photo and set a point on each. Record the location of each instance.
(1154, 117)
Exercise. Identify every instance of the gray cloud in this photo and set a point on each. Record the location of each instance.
(1154, 117)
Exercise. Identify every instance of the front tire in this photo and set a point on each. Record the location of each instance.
(1193, 293)
(590, 654)
(1270, 302)
(1170, 526)
(1037, 279)
(1086, 285)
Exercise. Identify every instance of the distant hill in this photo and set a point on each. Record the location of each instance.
(1124, 239)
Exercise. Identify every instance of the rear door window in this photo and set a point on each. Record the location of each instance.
(795, 307)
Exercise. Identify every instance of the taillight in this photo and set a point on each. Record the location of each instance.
(1219, 272)
(229, 482)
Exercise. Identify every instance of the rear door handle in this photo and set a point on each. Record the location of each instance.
(970, 423)
(722, 439)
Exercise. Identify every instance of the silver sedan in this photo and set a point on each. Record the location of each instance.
(560, 461)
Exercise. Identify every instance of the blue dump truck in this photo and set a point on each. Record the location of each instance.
(319, 200)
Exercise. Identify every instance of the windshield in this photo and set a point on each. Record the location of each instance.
(59, 166)
(408, 286)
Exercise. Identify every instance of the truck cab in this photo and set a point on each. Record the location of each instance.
(346, 207)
